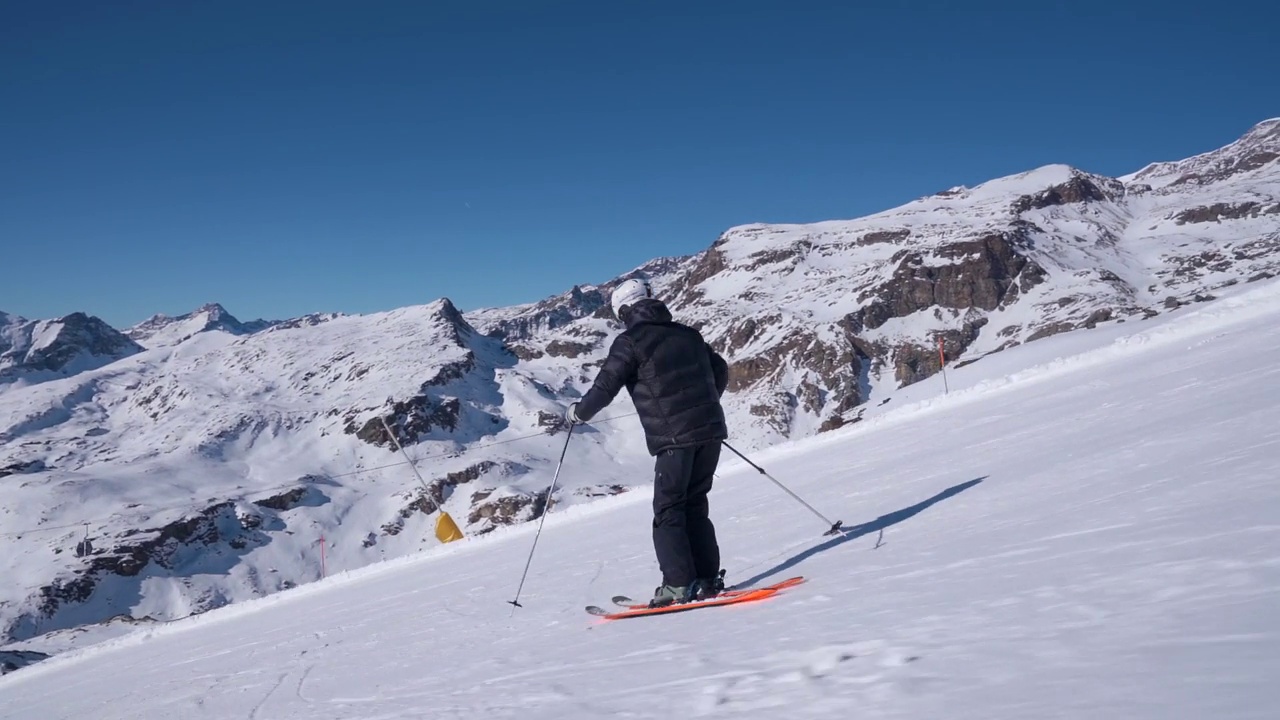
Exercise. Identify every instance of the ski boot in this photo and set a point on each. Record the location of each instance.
(666, 595)
(707, 588)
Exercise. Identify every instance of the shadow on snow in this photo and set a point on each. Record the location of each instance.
(857, 531)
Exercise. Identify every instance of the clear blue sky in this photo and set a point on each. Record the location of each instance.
(285, 158)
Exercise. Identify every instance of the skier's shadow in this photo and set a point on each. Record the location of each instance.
(857, 531)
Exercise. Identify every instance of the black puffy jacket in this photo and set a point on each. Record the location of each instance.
(674, 377)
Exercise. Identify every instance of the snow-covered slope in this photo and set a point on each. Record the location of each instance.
(819, 320)
(1092, 536)
(32, 351)
(1255, 150)
(209, 472)
(164, 331)
(215, 466)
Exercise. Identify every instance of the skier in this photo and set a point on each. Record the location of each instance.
(675, 380)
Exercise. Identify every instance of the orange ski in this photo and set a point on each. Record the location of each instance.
(731, 597)
(630, 604)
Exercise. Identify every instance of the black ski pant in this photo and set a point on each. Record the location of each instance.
(683, 535)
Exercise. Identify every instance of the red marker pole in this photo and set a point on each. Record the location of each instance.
(322, 562)
(942, 363)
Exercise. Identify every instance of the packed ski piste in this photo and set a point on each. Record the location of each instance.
(1083, 527)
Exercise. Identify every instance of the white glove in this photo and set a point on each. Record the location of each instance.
(572, 414)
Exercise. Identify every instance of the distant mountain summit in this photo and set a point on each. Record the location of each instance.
(1254, 151)
(39, 350)
(165, 331)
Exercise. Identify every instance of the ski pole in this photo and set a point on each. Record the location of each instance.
(545, 511)
(835, 526)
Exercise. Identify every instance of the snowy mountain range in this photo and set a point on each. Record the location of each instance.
(208, 461)
(1084, 527)
(165, 331)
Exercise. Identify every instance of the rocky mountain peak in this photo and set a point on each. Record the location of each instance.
(46, 349)
(449, 322)
(450, 313)
(1257, 148)
(216, 313)
(1078, 187)
(1265, 134)
(162, 330)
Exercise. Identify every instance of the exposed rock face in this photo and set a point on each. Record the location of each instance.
(1259, 148)
(913, 363)
(11, 660)
(601, 490)
(525, 353)
(820, 324)
(491, 509)
(892, 237)
(436, 406)
(814, 318)
(15, 468)
(823, 372)
(438, 490)
(212, 537)
(1079, 189)
(552, 422)
(562, 348)
(308, 320)
(685, 287)
(58, 348)
(304, 494)
(505, 509)
(409, 419)
(980, 273)
(1218, 212)
(551, 314)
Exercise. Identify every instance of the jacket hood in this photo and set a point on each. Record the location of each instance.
(648, 310)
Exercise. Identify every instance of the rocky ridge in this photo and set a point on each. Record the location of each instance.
(206, 470)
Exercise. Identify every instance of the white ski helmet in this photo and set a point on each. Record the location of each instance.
(629, 293)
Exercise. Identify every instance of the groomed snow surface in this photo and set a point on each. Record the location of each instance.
(1096, 537)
